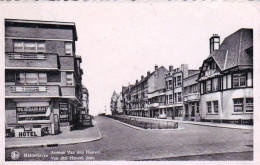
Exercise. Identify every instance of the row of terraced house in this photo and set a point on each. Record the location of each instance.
(43, 78)
(221, 90)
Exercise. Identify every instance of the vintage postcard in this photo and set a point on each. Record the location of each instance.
(95, 82)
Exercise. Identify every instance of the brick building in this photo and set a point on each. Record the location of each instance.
(42, 75)
(191, 97)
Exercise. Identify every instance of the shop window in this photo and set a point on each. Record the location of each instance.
(209, 106)
(238, 105)
(69, 79)
(249, 105)
(68, 48)
(239, 80)
(215, 103)
(29, 46)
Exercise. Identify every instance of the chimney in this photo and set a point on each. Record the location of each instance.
(148, 73)
(155, 67)
(214, 43)
(142, 77)
(136, 82)
(170, 68)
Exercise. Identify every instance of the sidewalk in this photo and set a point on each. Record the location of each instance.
(221, 125)
(73, 137)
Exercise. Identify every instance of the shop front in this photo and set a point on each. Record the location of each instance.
(31, 117)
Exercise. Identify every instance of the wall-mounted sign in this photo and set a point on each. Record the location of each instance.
(21, 132)
(64, 112)
(31, 110)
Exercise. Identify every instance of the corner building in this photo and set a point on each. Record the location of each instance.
(42, 75)
(226, 79)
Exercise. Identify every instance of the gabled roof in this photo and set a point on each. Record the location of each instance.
(234, 50)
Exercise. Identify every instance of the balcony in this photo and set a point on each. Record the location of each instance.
(31, 61)
(191, 97)
(153, 105)
(70, 92)
(32, 91)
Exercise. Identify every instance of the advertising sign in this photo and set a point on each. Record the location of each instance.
(31, 110)
(64, 112)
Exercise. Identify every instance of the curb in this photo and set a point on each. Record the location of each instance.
(142, 129)
(195, 123)
(56, 144)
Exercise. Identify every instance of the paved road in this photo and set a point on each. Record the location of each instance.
(124, 143)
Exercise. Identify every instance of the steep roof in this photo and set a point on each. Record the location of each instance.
(235, 50)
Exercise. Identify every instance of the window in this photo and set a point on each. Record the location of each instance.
(249, 105)
(42, 78)
(170, 99)
(179, 97)
(239, 80)
(175, 81)
(198, 107)
(29, 46)
(179, 80)
(238, 105)
(215, 84)
(31, 78)
(194, 88)
(53, 77)
(170, 84)
(68, 48)
(208, 86)
(215, 106)
(69, 79)
(209, 107)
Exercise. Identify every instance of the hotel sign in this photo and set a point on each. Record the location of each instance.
(21, 132)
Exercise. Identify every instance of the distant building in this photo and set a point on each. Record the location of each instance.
(113, 103)
(155, 85)
(85, 99)
(119, 104)
(42, 75)
(191, 97)
(226, 79)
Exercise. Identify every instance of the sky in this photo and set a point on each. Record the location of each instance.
(119, 42)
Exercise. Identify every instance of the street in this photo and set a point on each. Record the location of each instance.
(120, 142)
